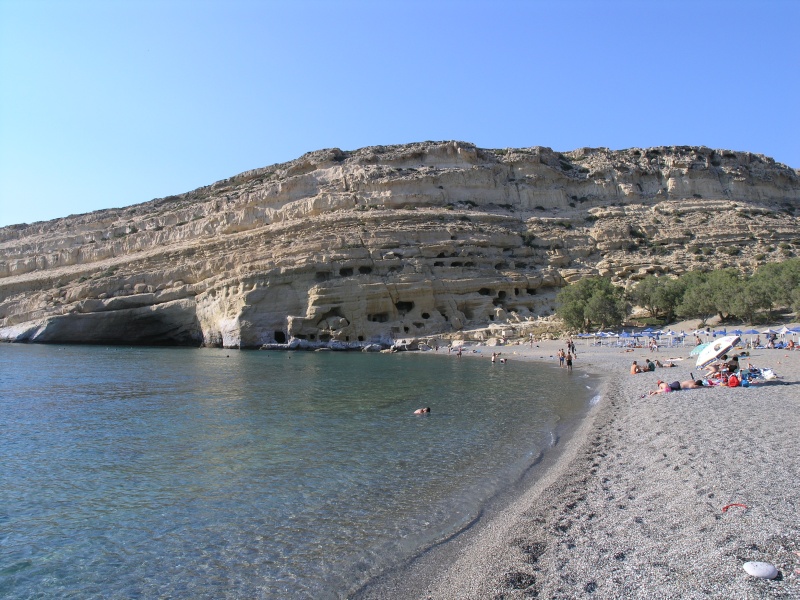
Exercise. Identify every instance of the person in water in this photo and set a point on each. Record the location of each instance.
(422, 411)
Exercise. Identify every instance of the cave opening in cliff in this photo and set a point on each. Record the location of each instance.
(404, 307)
(280, 337)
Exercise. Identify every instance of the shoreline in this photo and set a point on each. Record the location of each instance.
(631, 504)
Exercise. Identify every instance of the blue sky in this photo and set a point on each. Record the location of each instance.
(105, 103)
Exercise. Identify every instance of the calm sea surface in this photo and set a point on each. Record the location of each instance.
(177, 473)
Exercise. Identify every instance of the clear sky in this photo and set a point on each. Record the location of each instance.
(107, 103)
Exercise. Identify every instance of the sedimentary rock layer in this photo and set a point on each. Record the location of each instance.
(361, 247)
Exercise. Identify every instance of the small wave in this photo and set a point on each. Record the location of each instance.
(595, 400)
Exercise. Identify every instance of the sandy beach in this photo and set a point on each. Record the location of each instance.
(663, 496)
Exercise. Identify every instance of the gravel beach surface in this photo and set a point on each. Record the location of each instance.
(664, 496)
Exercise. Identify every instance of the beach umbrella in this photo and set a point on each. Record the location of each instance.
(784, 330)
(716, 349)
(751, 332)
(699, 348)
(769, 331)
(737, 332)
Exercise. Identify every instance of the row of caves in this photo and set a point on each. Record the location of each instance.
(379, 316)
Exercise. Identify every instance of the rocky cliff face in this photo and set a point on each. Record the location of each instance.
(388, 242)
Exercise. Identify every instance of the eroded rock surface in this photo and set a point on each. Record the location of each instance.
(386, 242)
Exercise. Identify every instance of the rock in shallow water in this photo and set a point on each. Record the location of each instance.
(761, 570)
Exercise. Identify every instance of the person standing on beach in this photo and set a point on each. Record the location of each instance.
(569, 361)
(561, 356)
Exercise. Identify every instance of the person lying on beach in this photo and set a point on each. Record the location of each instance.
(675, 386)
(422, 411)
(665, 365)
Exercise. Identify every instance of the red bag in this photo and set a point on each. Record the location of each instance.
(733, 381)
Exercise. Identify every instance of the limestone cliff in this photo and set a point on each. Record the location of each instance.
(387, 242)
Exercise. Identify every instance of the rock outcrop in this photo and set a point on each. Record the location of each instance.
(363, 247)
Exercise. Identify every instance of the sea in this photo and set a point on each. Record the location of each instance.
(214, 473)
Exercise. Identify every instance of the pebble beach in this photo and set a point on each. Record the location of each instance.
(664, 496)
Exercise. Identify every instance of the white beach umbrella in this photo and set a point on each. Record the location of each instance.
(716, 349)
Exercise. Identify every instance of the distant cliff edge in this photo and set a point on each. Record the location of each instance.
(351, 248)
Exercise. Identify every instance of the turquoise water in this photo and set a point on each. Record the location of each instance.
(207, 473)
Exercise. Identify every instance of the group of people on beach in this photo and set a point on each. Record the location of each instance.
(650, 365)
